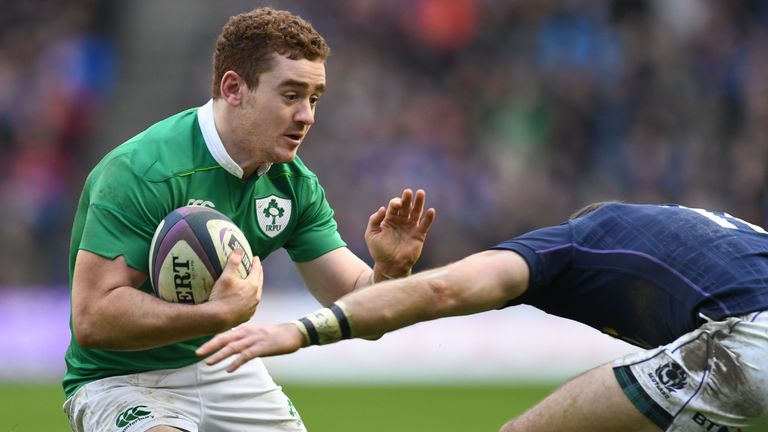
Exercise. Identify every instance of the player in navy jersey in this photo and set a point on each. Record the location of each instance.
(688, 285)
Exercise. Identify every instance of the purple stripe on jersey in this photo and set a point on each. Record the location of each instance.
(640, 254)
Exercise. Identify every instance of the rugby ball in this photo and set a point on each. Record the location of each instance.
(189, 250)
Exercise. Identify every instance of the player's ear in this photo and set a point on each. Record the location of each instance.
(589, 208)
(232, 87)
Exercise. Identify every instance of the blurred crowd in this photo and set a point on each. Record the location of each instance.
(510, 113)
(55, 68)
(514, 113)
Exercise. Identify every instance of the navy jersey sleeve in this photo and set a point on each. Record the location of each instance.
(548, 252)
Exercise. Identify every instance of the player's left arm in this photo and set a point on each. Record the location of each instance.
(334, 274)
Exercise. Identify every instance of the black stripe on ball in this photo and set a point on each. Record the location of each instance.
(168, 222)
(198, 222)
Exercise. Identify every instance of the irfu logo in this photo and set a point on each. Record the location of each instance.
(273, 214)
(132, 415)
(274, 211)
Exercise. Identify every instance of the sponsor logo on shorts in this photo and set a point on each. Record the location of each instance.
(292, 411)
(707, 424)
(131, 416)
(668, 378)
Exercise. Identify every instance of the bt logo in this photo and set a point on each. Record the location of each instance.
(709, 425)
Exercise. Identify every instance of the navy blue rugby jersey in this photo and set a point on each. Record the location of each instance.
(645, 273)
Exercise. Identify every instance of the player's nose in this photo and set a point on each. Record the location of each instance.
(305, 114)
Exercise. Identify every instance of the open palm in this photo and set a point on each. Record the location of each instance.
(395, 235)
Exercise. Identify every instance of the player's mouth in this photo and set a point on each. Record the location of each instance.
(294, 137)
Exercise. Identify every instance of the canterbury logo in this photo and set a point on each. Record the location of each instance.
(200, 203)
(131, 415)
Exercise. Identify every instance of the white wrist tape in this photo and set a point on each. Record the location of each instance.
(325, 326)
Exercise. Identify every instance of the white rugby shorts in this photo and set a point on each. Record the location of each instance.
(193, 398)
(714, 378)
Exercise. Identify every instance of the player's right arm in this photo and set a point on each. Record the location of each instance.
(109, 312)
(480, 282)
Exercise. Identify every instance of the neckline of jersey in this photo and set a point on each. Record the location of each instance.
(216, 147)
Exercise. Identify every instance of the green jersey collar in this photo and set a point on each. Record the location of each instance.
(216, 147)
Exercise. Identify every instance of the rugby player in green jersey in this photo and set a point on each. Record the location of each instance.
(131, 363)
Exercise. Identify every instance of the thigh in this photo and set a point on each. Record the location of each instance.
(247, 399)
(117, 404)
(591, 402)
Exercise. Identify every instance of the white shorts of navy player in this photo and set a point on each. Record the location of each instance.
(712, 379)
(195, 398)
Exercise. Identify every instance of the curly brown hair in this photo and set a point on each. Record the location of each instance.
(248, 40)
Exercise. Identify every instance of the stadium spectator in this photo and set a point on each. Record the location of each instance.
(688, 285)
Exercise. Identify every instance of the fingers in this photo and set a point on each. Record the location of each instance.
(239, 361)
(225, 345)
(233, 261)
(394, 207)
(411, 207)
(256, 276)
(405, 203)
(418, 206)
(429, 217)
(418, 211)
(375, 220)
(217, 343)
(257, 271)
(250, 341)
(408, 208)
(402, 206)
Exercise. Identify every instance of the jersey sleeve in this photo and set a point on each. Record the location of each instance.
(548, 253)
(316, 232)
(122, 215)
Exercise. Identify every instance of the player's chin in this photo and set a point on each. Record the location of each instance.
(286, 156)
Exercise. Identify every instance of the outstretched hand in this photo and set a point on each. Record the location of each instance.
(395, 235)
(251, 341)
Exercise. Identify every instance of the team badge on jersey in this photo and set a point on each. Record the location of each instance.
(273, 214)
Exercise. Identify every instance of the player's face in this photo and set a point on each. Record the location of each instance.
(278, 113)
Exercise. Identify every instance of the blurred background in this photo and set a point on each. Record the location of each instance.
(510, 113)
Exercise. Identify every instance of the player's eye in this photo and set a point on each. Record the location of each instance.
(291, 97)
(314, 100)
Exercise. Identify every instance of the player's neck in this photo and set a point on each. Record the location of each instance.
(227, 131)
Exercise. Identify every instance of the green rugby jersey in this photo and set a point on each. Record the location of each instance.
(177, 162)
